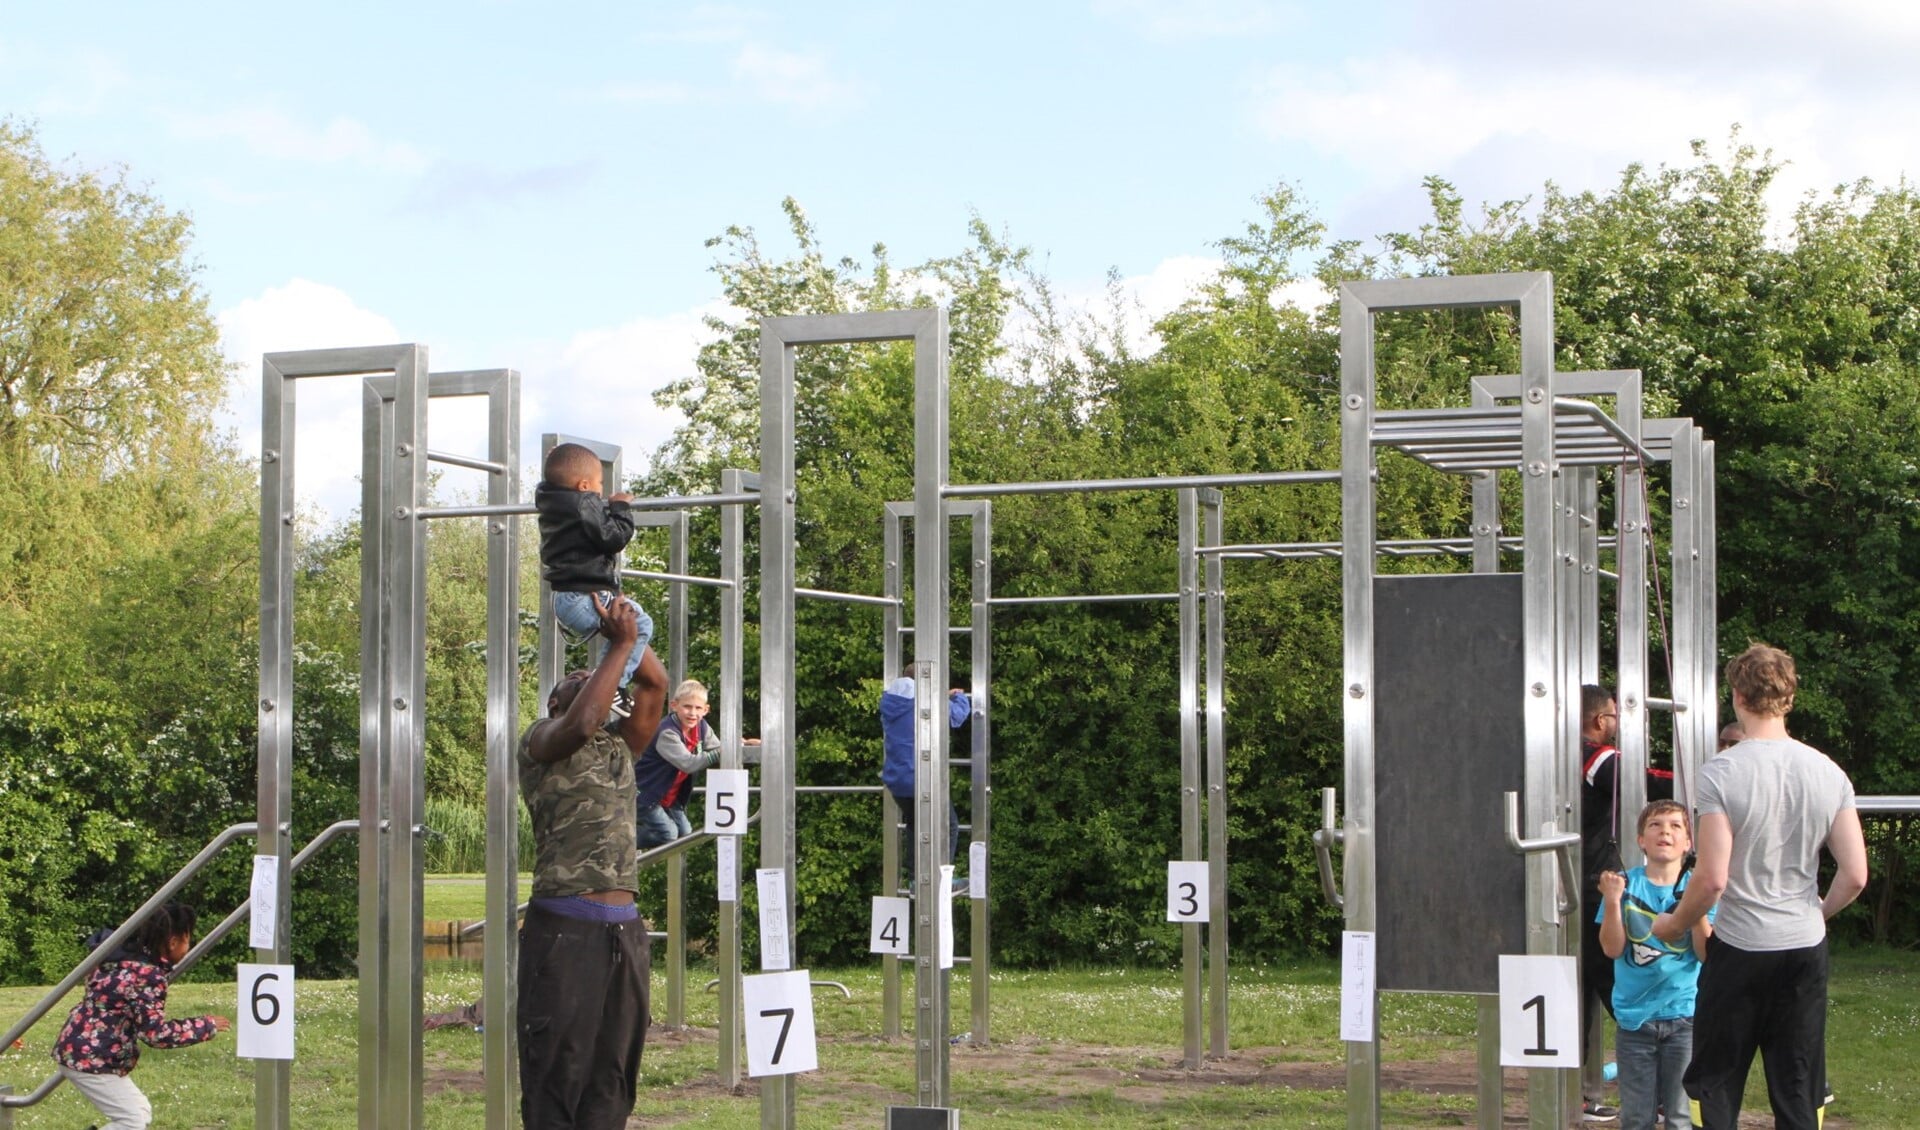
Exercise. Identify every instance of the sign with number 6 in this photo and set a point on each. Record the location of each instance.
(264, 1014)
(726, 802)
(779, 1008)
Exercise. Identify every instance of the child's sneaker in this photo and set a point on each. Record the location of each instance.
(1598, 1112)
(623, 703)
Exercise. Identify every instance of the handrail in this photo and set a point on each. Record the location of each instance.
(119, 937)
(245, 910)
(1890, 805)
(327, 835)
(1599, 416)
(1324, 837)
(1555, 842)
(645, 858)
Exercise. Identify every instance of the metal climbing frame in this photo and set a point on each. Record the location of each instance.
(1556, 444)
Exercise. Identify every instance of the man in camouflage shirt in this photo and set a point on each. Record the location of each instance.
(583, 948)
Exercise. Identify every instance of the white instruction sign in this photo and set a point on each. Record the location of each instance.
(726, 802)
(264, 902)
(779, 1008)
(1187, 891)
(1356, 985)
(977, 869)
(774, 954)
(1539, 1011)
(263, 1019)
(892, 930)
(943, 917)
(727, 854)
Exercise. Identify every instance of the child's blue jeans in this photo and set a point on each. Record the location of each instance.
(1653, 1058)
(576, 612)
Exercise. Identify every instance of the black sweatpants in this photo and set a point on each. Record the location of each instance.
(1770, 1001)
(583, 1020)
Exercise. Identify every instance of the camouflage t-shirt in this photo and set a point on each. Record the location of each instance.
(582, 810)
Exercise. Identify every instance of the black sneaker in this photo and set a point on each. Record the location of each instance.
(623, 703)
(1598, 1112)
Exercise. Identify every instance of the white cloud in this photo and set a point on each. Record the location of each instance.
(304, 315)
(791, 78)
(707, 23)
(644, 92)
(1196, 19)
(84, 84)
(271, 133)
(600, 384)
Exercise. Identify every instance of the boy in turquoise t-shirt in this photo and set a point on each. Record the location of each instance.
(1654, 981)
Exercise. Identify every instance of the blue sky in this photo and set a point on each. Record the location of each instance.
(532, 185)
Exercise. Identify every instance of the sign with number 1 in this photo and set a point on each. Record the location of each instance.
(1539, 1011)
(264, 1016)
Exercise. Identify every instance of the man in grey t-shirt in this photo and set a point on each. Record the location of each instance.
(1767, 806)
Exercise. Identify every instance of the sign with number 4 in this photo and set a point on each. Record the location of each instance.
(264, 1024)
(726, 802)
(779, 1009)
(892, 931)
(1539, 1011)
(1187, 891)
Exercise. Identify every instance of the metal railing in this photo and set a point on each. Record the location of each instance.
(9, 1102)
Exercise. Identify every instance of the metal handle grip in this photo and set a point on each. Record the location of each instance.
(1555, 842)
(1324, 837)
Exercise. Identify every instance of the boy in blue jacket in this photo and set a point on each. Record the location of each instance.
(896, 730)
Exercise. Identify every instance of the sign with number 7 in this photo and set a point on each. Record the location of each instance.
(780, 1037)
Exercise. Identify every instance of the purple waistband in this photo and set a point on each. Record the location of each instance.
(586, 909)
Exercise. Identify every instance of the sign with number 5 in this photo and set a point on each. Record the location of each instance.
(726, 802)
(779, 1008)
(264, 1015)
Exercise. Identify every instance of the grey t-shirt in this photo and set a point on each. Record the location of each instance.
(1781, 798)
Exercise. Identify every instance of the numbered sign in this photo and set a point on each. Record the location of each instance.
(263, 1018)
(1356, 985)
(1539, 1011)
(892, 930)
(779, 1008)
(977, 869)
(265, 902)
(726, 802)
(1187, 891)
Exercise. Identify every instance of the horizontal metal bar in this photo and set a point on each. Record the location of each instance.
(907, 629)
(1083, 486)
(507, 509)
(1892, 805)
(467, 461)
(1667, 705)
(1599, 416)
(849, 597)
(1097, 598)
(679, 578)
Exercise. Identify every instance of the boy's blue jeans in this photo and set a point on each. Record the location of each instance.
(576, 612)
(655, 826)
(1653, 1059)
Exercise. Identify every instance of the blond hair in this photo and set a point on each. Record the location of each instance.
(691, 689)
(1765, 679)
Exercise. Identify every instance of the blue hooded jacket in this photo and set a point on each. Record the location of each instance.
(896, 728)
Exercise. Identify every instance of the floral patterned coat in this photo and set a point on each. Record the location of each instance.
(126, 998)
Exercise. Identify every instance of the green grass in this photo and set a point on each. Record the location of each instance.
(462, 898)
(1072, 1048)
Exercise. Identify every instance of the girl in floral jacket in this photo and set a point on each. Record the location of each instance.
(126, 1000)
